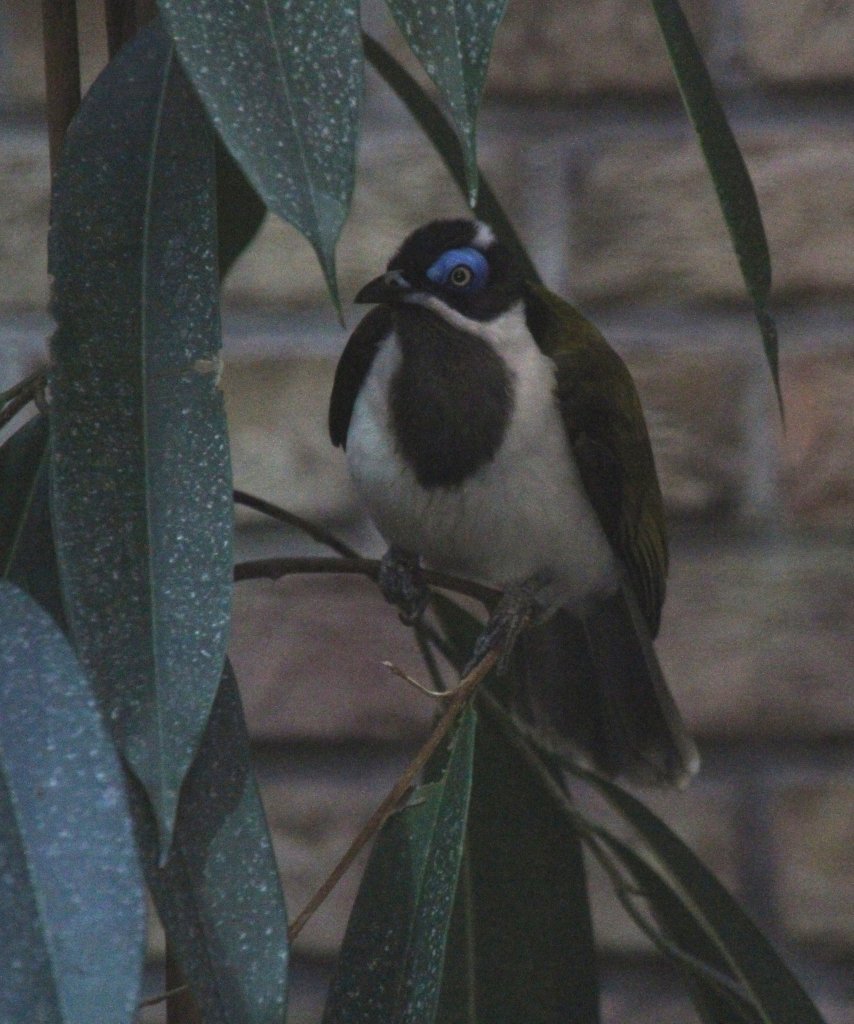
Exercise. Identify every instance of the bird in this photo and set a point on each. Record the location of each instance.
(492, 432)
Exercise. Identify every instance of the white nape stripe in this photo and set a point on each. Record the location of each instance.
(484, 236)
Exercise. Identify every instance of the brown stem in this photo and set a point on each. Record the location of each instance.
(62, 71)
(456, 701)
(120, 16)
(275, 568)
(317, 533)
(181, 1008)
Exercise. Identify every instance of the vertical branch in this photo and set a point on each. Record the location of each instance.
(62, 70)
(120, 16)
(181, 1008)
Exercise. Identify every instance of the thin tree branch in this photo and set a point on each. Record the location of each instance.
(457, 700)
(62, 71)
(318, 533)
(275, 568)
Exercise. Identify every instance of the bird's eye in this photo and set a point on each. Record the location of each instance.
(460, 276)
(465, 270)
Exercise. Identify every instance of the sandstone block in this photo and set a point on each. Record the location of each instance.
(759, 642)
(647, 225)
(556, 51)
(308, 654)
(24, 208)
(818, 450)
(795, 42)
(814, 832)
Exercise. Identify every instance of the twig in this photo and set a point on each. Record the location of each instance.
(456, 703)
(275, 568)
(435, 694)
(161, 997)
(62, 71)
(317, 533)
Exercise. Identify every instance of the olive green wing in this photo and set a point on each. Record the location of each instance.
(607, 434)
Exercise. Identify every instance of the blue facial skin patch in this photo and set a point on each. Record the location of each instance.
(442, 270)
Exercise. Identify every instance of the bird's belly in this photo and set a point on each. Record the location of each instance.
(524, 515)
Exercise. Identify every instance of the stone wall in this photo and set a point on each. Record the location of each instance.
(585, 141)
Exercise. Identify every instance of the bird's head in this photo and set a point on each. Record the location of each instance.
(450, 263)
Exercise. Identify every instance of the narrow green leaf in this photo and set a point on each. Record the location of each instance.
(283, 85)
(775, 990)
(521, 948)
(72, 909)
(727, 168)
(453, 40)
(140, 476)
(390, 967)
(27, 556)
(218, 894)
(707, 971)
(438, 130)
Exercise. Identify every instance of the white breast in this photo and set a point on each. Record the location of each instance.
(524, 514)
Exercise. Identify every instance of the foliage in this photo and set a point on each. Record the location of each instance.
(123, 749)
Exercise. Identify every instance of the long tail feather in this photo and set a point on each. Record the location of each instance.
(596, 687)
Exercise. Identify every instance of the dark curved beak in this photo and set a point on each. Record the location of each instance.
(389, 287)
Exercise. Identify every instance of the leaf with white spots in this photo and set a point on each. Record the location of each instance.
(283, 84)
(391, 963)
(453, 41)
(218, 894)
(140, 473)
(72, 910)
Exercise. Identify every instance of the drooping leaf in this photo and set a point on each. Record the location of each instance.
(713, 985)
(218, 894)
(438, 130)
(390, 966)
(283, 84)
(240, 210)
(522, 945)
(72, 909)
(141, 490)
(27, 555)
(727, 168)
(453, 40)
(771, 985)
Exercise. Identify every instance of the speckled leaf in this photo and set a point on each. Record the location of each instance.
(453, 40)
(438, 130)
(72, 910)
(770, 984)
(26, 538)
(521, 947)
(390, 967)
(141, 492)
(283, 84)
(726, 166)
(218, 893)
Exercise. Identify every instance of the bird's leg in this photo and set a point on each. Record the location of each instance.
(517, 608)
(401, 581)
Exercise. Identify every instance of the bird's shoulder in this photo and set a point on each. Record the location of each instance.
(353, 367)
(607, 433)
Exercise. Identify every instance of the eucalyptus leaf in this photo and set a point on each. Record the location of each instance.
(521, 947)
(726, 165)
(772, 987)
(447, 145)
(27, 555)
(390, 966)
(283, 85)
(453, 41)
(72, 909)
(218, 894)
(140, 475)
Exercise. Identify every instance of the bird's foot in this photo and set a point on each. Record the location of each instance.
(401, 581)
(517, 609)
